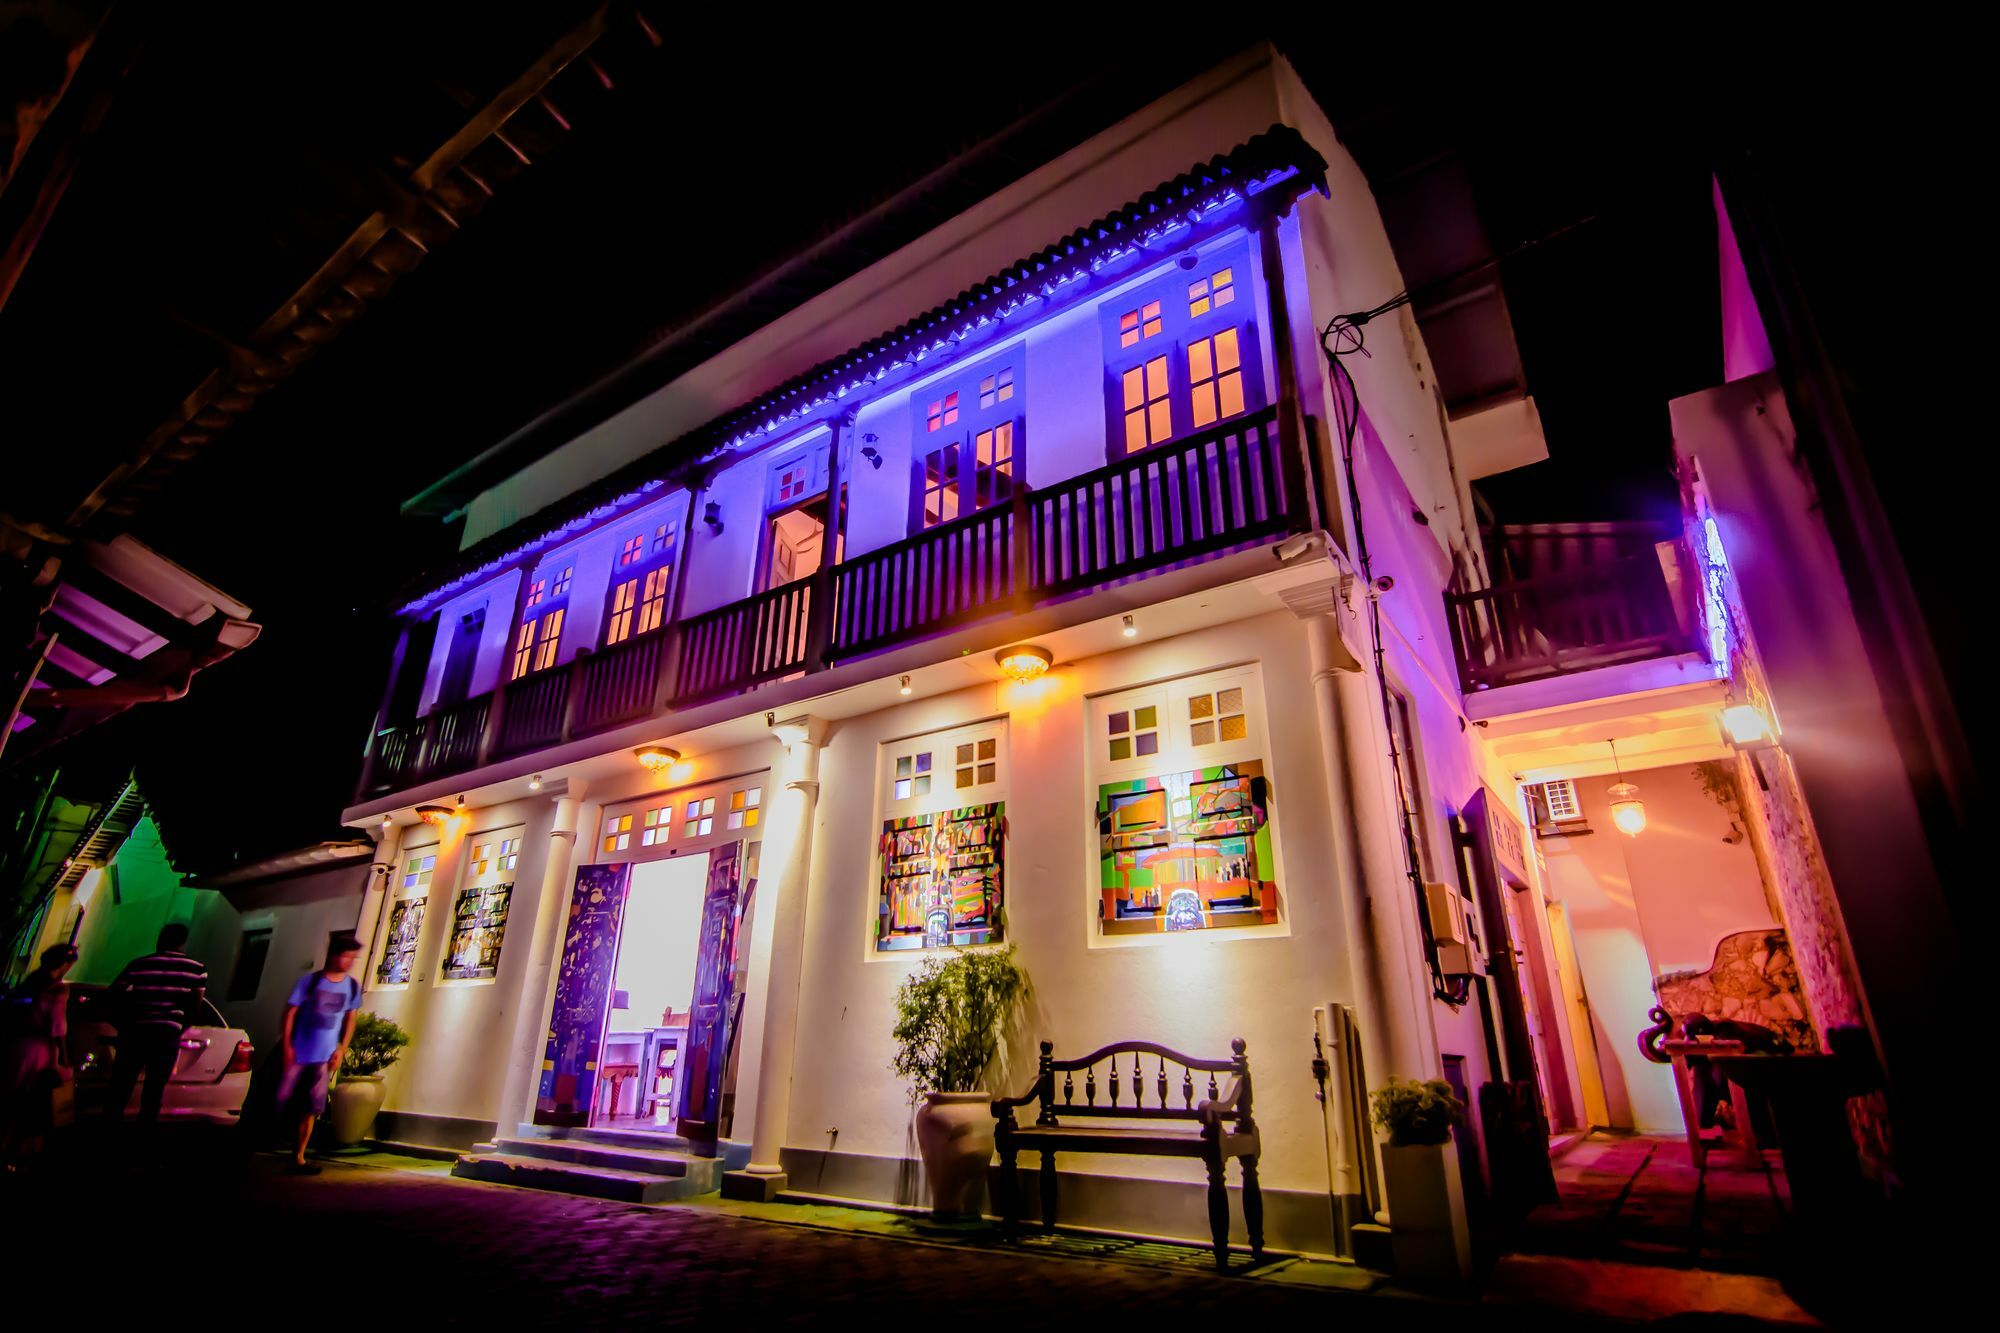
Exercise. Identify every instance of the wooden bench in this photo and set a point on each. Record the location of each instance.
(1143, 1091)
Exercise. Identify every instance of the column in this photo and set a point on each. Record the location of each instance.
(524, 1051)
(777, 956)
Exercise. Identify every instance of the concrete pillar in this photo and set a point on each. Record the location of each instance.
(777, 955)
(524, 1051)
(367, 919)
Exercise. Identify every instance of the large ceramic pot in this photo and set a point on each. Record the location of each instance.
(1427, 1230)
(351, 1108)
(955, 1136)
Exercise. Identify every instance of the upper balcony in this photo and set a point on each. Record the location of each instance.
(1574, 598)
(1233, 485)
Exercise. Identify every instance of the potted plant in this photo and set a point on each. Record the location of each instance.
(950, 1016)
(357, 1096)
(1420, 1170)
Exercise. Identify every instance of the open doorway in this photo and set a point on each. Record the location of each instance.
(653, 981)
(795, 543)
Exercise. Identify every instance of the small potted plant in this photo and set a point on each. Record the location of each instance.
(1420, 1170)
(950, 1016)
(356, 1098)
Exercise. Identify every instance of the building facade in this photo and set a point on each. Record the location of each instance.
(1091, 610)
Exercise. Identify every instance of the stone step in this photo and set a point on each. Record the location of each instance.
(654, 1161)
(734, 1154)
(597, 1182)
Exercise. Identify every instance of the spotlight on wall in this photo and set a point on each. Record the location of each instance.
(872, 454)
(535, 782)
(711, 514)
(1024, 661)
(433, 814)
(1747, 727)
(904, 688)
(657, 758)
(1131, 631)
(387, 822)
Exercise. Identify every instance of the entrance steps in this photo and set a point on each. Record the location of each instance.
(631, 1166)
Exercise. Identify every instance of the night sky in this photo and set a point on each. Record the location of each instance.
(233, 153)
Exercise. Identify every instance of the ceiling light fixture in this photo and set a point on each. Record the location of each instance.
(535, 782)
(657, 758)
(1024, 661)
(433, 814)
(904, 688)
(1131, 631)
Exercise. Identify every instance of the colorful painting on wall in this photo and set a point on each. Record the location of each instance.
(399, 949)
(583, 995)
(478, 925)
(711, 1020)
(942, 878)
(1186, 851)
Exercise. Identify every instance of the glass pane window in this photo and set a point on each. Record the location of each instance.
(976, 763)
(997, 388)
(745, 807)
(913, 775)
(1135, 326)
(1148, 414)
(524, 645)
(663, 539)
(942, 412)
(993, 465)
(561, 588)
(792, 481)
(1133, 733)
(510, 853)
(1217, 716)
(1213, 292)
(538, 592)
(548, 639)
(623, 597)
(632, 550)
(1215, 378)
(417, 873)
(941, 486)
(700, 818)
(482, 858)
(657, 823)
(653, 601)
(617, 833)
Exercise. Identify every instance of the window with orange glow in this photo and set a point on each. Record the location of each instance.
(1149, 416)
(1215, 378)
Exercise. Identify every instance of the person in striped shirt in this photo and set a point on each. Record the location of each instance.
(155, 999)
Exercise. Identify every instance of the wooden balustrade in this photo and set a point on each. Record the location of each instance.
(531, 711)
(455, 732)
(745, 643)
(941, 578)
(1584, 618)
(620, 684)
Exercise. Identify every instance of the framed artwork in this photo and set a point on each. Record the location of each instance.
(478, 925)
(399, 948)
(942, 878)
(1186, 851)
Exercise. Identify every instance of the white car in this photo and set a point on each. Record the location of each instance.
(211, 1079)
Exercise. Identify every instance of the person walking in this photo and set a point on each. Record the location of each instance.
(319, 1022)
(34, 1064)
(154, 999)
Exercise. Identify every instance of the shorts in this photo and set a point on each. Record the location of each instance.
(302, 1088)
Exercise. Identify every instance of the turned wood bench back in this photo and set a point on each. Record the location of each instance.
(1135, 1080)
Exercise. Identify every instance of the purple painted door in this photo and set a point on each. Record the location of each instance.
(714, 990)
(583, 995)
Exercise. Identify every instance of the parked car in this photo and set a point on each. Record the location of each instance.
(210, 1081)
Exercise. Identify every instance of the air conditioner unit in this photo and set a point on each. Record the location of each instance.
(1450, 931)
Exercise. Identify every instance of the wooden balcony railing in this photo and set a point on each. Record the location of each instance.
(1599, 615)
(1176, 503)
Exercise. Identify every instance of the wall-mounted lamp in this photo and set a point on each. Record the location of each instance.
(387, 822)
(657, 758)
(535, 782)
(903, 688)
(433, 814)
(711, 514)
(1748, 727)
(1131, 631)
(1024, 661)
(1628, 812)
(872, 454)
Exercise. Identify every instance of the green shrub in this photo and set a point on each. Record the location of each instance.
(950, 1016)
(1415, 1113)
(377, 1044)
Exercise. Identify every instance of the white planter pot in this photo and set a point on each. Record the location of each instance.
(1427, 1230)
(351, 1108)
(955, 1136)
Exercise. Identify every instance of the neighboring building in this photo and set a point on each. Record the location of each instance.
(688, 725)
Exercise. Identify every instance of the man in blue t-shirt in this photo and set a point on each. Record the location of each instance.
(319, 1022)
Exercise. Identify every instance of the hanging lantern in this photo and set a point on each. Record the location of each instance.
(1628, 812)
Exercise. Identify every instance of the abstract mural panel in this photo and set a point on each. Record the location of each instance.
(478, 925)
(1186, 851)
(399, 948)
(583, 995)
(942, 878)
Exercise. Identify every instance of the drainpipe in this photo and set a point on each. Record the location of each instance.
(524, 1058)
(777, 953)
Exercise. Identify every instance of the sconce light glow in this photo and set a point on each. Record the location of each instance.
(433, 815)
(1131, 631)
(904, 688)
(535, 782)
(657, 758)
(1746, 725)
(1628, 812)
(387, 822)
(1024, 661)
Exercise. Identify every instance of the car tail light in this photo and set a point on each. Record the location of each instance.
(239, 1063)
